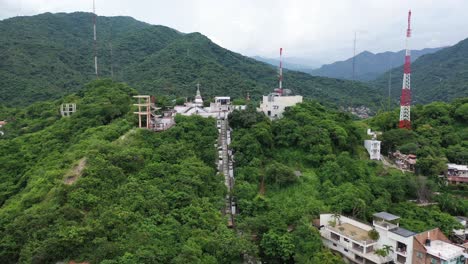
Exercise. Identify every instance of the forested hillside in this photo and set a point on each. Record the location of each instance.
(310, 162)
(92, 188)
(50, 55)
(439, 136)
(368, 66)
(441, 76)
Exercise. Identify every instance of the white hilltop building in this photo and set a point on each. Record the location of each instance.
(274, 104)
(373, 145)
(219, 109)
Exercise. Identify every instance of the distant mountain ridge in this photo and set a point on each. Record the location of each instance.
(368, 65)
(49, 55)
(291, 63)
(440, 76)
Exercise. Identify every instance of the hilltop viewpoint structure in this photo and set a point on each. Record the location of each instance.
(219, 109)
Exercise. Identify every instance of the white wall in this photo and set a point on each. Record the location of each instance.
(274, 106)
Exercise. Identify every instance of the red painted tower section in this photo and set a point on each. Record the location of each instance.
(405, 100)
(279, 90)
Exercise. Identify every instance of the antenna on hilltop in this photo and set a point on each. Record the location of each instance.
(281, 72)
(110, 46)
(354, 54)
(95, 42)
(405, 100)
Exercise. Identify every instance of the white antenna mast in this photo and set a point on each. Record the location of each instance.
(95, 42)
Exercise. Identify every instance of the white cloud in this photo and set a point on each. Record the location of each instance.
(319, 29)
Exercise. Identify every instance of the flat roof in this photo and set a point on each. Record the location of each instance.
(386, 216)
(351, 231)
(403, 232)
(457, 167)
(444, 250)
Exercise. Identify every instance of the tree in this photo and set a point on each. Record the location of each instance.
(279, 174)
(278, 246)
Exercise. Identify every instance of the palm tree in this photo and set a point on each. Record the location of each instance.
(383, 252)
(337, 218)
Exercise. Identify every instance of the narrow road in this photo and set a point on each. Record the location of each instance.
(226, 168)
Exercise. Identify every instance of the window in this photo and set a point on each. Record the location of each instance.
(419, 255)
(346, 240)
(334, 244)
(434, 261)
(346, 250)
(275, 107)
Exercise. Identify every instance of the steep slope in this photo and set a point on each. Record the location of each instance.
(442, 76)
(139, 197)
(368, 65)
(56, 58)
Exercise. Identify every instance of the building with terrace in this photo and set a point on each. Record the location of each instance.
(355, 241)
(457, 173)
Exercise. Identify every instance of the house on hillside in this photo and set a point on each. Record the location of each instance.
(457, 173)
(433, 246)
(403, 161)
(2, 123)
(362, 243)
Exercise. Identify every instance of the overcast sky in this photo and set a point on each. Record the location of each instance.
(322, 30)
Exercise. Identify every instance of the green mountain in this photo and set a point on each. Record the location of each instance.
(50, 55)
(92, 187)
(441, 76)
(368, 66)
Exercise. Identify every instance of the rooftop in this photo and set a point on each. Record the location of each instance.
(355, 233)
(386, 216)
(444, 250)
(403, 232)
(457, 167)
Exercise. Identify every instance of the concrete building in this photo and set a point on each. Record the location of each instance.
(403, 161)
(457, 173)
(219, 109)
(433, 247)
(352, 239)
(400, 239)
(373, 148)
(274, 104)
(164, 121)
(462, 234)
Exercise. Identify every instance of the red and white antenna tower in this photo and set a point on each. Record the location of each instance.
(280, 85)
(405, 100)
(95, 42)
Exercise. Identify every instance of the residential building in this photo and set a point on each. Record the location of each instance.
(433, 247)
(462, 233)
(354, 241)
(274, 104)
(391, 234)
(373, 148)
(457, 173)
(351, 238)
(403, 161)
